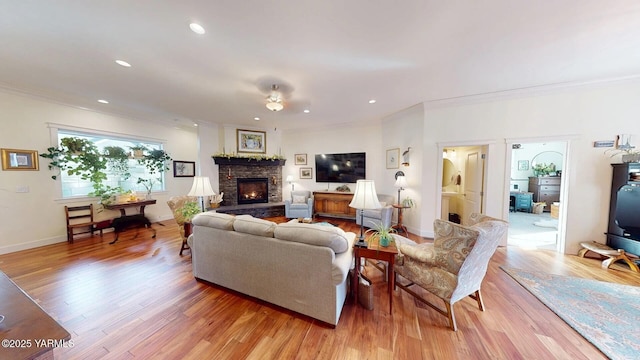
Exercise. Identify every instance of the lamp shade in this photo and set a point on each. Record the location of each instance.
(365, 196)
(289, 178)
(401, 182)
(201, 187)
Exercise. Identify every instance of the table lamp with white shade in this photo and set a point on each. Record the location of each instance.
(364, 198)
(201, 187)
(401, 183)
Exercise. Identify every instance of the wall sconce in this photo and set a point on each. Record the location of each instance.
(229, 177)
(405, 157)
(274, 180)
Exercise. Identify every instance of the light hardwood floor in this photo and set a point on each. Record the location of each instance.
(137, 299)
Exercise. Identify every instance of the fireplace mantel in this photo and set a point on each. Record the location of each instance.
(247, 161)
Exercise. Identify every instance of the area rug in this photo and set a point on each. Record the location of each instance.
(606, 314)
(547, 223)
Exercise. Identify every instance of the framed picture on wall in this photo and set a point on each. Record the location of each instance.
(301, 159)
(306, 173)
(393, 158)
(14, 159)
(523, 165)
(184, 168)
(250, 141)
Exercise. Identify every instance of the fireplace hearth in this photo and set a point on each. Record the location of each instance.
(253, 190)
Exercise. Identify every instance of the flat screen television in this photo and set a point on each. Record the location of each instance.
(341, 168)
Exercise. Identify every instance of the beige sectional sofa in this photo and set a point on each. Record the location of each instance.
(301, 267)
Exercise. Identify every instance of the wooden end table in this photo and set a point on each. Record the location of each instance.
(399, 227)
(376, 252)
(188, 229)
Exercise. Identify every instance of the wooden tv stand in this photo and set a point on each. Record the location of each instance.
(333, 204)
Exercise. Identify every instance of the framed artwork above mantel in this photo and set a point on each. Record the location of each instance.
(251, 141)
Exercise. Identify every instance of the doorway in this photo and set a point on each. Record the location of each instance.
(535, 191)
(463, 182)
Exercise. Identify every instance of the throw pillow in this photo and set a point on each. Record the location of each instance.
(299, 199)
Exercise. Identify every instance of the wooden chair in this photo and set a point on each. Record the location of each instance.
(81, 218)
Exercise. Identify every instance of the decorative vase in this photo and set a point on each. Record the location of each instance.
(384, 241)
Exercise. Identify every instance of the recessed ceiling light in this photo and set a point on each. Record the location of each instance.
(103, 101)
(195, 124)
(256, 118)
(123, 63)
(197, 28)
(306, 111)
(372, 101)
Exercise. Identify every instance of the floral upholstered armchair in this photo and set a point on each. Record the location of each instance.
(454, 265)
(175, 204)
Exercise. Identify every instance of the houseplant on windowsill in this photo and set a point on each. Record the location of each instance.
(381, 232)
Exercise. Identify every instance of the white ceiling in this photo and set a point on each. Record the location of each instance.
(335, 55)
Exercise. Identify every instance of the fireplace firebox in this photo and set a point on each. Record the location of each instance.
(253, 190)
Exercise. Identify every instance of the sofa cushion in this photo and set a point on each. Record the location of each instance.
(329, 236)
(214, 220)
(249, 225)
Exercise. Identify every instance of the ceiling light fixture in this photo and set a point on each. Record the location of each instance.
(123, 63)
(274, 102)
(372, 101)
(256, 118)
(103, 101)
(306, 111)
(196, 28)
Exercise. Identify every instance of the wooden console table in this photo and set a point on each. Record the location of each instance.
(27, 331)
(333, 204)
(130, 204)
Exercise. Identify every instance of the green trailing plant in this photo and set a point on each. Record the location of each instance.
(382, 233)
(117, 161)
(79, 157)
(156, 161)
(408, 202)
(148, 183)
(105, 193)
(189, 210)
(138, 151)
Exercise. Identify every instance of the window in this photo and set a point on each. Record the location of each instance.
(73, 185)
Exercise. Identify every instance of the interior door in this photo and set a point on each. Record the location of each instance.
(473, 179)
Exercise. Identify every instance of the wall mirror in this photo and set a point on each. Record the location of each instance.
(449, 172)
(548, 157)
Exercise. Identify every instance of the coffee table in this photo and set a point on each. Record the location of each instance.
(376, 252)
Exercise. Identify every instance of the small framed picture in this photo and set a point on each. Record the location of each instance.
(306, 173)
(14, 159)
(523, 165)
(184, 168)
(393, 158)
(250, 141)
(301, 159)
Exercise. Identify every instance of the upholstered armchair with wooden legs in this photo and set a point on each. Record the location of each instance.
(175, 204)
(454, 265)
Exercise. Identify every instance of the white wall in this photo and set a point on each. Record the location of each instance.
(335, 139)
(36, 218)
(581, 114)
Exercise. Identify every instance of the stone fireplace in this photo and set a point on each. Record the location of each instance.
(236, 174)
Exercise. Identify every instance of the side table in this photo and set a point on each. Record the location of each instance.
(376, 252)
(399, 227)
(188, 228)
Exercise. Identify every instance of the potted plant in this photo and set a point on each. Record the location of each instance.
(156, 161)
(148, 184)
(408, 202)
(381, 232)
(138, 151)
(117, 160)
(76, 145)
(189, 210)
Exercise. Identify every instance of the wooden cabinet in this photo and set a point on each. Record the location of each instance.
(545, 189)
(333, 204)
